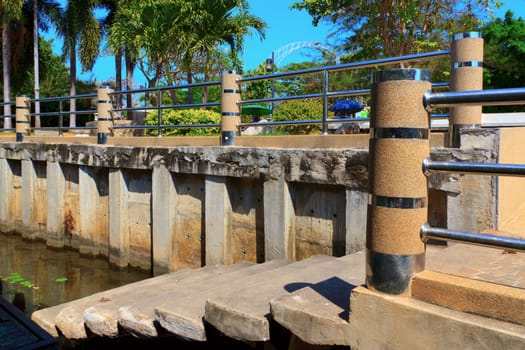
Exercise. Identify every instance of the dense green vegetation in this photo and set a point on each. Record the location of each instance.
(182, 42)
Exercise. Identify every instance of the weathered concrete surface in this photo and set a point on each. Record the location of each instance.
(473, 296)
(182, 312)
(485, 264)
(47, 318)
(380, 321)
(318, 314)
(245, 315)
(103, 318)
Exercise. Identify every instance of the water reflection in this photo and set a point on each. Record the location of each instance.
(32, 263)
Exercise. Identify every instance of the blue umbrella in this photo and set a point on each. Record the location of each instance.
(346, 107)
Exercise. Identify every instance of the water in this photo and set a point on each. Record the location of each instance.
(39, 274)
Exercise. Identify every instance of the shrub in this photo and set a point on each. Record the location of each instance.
(185, 116)
(299, 110)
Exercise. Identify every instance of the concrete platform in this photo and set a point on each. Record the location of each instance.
(380, 321)
(182, 312)
(318, 314)
(245, 315)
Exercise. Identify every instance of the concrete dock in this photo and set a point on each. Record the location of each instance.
(319, 300)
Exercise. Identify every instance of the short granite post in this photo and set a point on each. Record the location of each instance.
(466, 74)
(397, 207)
(230, 107)
(23, 117)
(104, 119)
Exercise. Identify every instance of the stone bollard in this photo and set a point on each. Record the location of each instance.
(23, 117)
(230, 106)
(397, 208)
(104, 120)
(466, 56)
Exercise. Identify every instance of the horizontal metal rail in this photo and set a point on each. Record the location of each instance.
(353, 65)
(495, 97)
(62, 98)
(486, 240)
(166, 126)
(165, 88)
(493, 169)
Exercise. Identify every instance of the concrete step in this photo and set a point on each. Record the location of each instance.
(244, 312)
(46, 318)
(181, 310)
(318, 314)
(473, 296)
(103, 318)
(381, 321)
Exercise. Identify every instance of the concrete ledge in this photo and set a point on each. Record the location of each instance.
(473, 296)
(380, 321)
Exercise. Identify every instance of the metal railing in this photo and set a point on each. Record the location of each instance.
(514, 96)
(325, 95)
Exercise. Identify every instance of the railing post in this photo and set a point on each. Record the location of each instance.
(325, 101)
(230, 107)
(466, 56)
(397, 208)
(23, 119)
(104, 120)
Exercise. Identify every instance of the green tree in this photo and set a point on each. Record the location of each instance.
(374, 29)
(504, 56)
(174, 40)
(10, 11)
(81, 31)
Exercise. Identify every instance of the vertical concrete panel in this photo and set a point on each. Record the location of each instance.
(218, 221)
(190, 236)
(320, 225)
(29, 186)
(279, 219)
(56, 185)
(16, 203)
(118, 218)
(139, 214)
(246, 197)
(71, 206)
(164, 204)
(39, 216)
(7, 223)
(88, 203)
(356, 207)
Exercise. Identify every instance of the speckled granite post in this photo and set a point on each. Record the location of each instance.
(104, 119)
(23, 121)
(466, 52)
(231, 113)
(397, 207)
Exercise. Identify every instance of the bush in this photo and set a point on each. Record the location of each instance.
(299, 110)
(185, 116)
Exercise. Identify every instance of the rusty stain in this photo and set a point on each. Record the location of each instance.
(69, 222)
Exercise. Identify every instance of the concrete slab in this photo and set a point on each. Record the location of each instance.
(245, 314)
(473, 296)
(318, 314)
(46, 318)
(480, 263)
(103, 318)
(183, 313)
(380, 321)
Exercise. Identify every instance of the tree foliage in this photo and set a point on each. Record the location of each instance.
(184, 117)
(294, 110)
(504, 56)
(174, 40)
(374, 29)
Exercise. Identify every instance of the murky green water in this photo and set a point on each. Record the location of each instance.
(31, 263)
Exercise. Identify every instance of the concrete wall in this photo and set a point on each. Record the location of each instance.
(164, 208)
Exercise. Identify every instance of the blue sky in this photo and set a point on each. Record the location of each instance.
(285, 26)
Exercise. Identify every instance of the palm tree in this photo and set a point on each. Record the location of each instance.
(45, 12)
(9, 11)
(81, 31)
